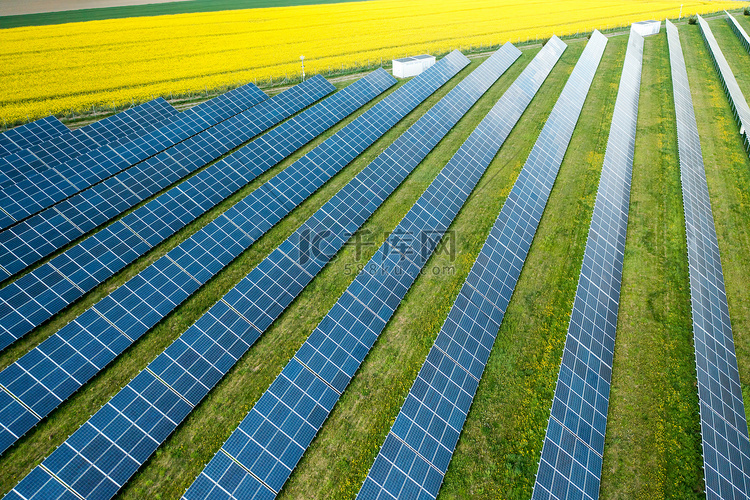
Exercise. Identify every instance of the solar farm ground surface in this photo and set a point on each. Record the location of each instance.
(653, 443)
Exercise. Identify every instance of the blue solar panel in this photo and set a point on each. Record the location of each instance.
(734, 94)
(726, 448)
(573, 448)
(113, 130)
(214, 343)
(131, 122)
(275, 434)
(32, 133)
(37, 237)
(46, 188)
(417, 451)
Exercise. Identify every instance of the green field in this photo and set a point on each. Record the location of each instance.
(653, 445)
(159, 9)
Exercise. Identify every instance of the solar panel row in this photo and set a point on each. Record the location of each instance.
(571, 458)
(726, 448)
(36, 237)
(738, 30)
(143, 414)
(113, 130)
(417, 451)
(29, 134)
(129, 123)
(44, 189)
(736, 99)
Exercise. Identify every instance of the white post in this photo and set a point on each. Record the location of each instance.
(681, 11)
(302, 58)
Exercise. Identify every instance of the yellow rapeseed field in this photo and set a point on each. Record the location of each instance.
(70, 67)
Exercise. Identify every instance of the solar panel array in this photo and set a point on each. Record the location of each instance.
(130, 122)
(571, 460)
(228, 345)
(47, 375)
(726, 448)
(38, 295)
(29, 134)
(113, 130)
(44, 189)
(39, 236)
(35, 297)
(738, 30)
(736, 99)
(254, 464)
(417, 451)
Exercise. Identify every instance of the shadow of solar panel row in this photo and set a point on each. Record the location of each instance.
(221, 478)
(417, 451)
(35, 297)
(143, 414)
(731, 88)
(114, 131)
(738, 30)
(726, 448)
(27, 135)
(39, 236)
(44, 189)
(272, 438)
(571, 458)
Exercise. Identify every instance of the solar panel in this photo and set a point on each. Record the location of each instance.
(186, 369)
(114, 130)
(39, 236)
(417, 451)
(726, 448)
(32, 133)
(129, 123)
(35, 297)
(736, 99)
(60, 148)
(571, 458)
(738, 30)
(275, 434)
(44, 189)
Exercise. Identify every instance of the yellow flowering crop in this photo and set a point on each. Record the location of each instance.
(69, 67)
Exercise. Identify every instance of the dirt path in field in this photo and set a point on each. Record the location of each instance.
(17, 7)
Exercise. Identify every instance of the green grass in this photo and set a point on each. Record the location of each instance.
(653, 441)
(149, 10)
(653, 447)
(499, 449)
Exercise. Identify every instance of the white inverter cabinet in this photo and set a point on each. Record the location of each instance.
(646, 28)
(412, 66)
